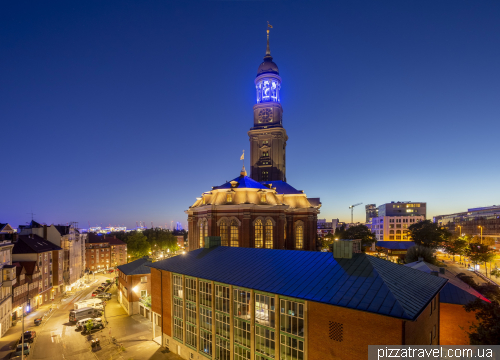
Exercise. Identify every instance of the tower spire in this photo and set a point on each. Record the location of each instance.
(268, 49)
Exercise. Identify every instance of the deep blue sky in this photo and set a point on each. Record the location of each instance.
(115, 112)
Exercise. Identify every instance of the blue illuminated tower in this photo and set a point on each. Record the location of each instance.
(267, 136)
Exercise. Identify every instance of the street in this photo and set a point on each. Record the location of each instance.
(57, 338)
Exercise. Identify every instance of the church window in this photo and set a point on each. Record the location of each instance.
(263, 197)
(265, 153)
(223, 233)
(265, 176)
(203, 232)
(269, 234)
(259, 241)
(234, 233)
(229, 197)
(299, 236)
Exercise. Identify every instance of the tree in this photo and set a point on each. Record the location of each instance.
(137, 245)
(480, 253)
(428, 234)
(360, 232)
(418, 251)
(89, 325)
(487, 331)
(456, 247)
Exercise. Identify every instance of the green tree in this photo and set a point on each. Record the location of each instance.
(360, 232)
(340, 233)
(89, 325)
(457, 247)
(137, 245)
(487, 330)
(419, 251)
(428, 234)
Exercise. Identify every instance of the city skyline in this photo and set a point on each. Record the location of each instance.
(123, 115)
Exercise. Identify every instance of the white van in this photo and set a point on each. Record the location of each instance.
(81, 323)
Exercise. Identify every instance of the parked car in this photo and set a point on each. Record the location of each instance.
(19, 349)
(96, 324)
(94, 293)
(80, 324)
(104, 295)
(29, 336)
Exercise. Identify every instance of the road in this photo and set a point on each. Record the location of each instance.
(57, 338)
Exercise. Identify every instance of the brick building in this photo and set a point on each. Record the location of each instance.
(8, 277)
(134, 286)
(243, 303)
(104, 252)
(35, 248)
(26, 289)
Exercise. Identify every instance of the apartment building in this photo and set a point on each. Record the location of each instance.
(35, 248)
(71, 241)
(262, 304)
(25, 291)
(326, 227)
(104, 252)
(134, 285)
(8, 280)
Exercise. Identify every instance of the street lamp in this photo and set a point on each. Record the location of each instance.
(481, 234)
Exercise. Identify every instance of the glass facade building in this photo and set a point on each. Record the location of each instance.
(215, 319)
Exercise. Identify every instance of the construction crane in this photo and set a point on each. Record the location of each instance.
(352, 209)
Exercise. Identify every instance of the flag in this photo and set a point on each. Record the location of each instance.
(242, 155)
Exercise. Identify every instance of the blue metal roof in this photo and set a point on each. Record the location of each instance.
(137, 267)
(363, 283)
(243, 182)
(282, 187)
(395, 245)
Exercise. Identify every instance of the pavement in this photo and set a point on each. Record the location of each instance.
(57, 338)
(456, 268)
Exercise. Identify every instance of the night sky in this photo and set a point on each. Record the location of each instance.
(115, 112)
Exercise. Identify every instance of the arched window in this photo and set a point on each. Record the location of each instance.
(299, 236)
(202, 239)
(391, 231)
(224, 235)
(234, 234)
(269, 234)
(398, 232)
(259, 242)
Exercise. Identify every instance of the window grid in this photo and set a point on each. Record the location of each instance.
(222, 325)
(241, 353)
(264, 310)
(191, 289)
(222, 298)
(177, 286)
(191, 335)
(178, 327)
(299, 237)
(202, 239)
(241, 301)
(222, 349)
(205, 318)
(206, 342)
(242, 332)
(205, 293)
(269, 234)
(292, 317)
(191, 312)
(224, 233)
(178, 308)
(291, 348)
(259, 241)
(264, 341)
(234, 234)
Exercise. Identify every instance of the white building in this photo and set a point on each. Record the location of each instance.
(393, 228)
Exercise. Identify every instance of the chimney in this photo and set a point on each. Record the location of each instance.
(45, 232)
(212, 241)
(343, 249)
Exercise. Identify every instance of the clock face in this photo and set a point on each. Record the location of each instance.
(265, 115)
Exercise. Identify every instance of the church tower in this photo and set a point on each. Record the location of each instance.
(267, 136)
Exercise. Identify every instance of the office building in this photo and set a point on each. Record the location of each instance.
(472, 221)
(371, 212)
(266, 304)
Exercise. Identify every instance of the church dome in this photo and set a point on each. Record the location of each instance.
(268, 66)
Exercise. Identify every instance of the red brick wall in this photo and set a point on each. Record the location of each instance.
(454, 324)
(135, 281)
(360, 329)
(156, 295)
(417, 332)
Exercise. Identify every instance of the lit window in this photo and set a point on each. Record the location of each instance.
(205, 293)
(264, 310)
(222, 298)
(259, 241)
(223, 233)
(234, 233)
(299, 236)
(269, 234)
(229, 197)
